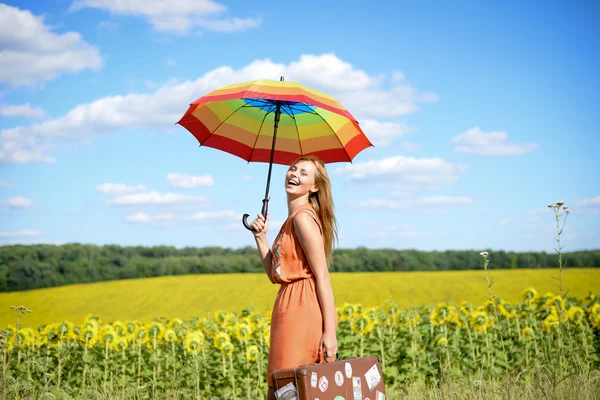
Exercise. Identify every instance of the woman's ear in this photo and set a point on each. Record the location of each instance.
(314, 190)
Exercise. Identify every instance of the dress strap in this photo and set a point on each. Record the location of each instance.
(311, 212)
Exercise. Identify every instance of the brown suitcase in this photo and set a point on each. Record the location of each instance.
(358, 378)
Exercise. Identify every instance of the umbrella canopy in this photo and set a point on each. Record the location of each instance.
(240, 120)
(275, 122)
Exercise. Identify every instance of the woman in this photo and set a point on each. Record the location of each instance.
(304, 319)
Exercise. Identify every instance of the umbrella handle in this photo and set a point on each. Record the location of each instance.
(264, 211)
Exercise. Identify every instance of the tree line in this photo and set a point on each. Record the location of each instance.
(24, 267)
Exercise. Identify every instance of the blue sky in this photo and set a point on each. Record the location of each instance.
(481, 114)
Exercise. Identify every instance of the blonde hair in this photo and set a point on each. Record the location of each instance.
(322, 203)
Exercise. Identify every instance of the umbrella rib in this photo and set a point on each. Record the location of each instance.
(222, 122)
(257, 135)
(336, 136)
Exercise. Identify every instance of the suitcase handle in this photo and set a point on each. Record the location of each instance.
(337, 357)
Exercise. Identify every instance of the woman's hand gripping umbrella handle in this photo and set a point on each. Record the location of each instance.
(265, 208)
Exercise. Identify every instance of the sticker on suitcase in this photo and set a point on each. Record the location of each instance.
(379, 396)
(356, 389)
(313, 379)
(348, 369)
(372, 377)
(323, 384)
(339, 378)
(288, 392)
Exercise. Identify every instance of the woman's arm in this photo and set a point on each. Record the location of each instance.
(260, 236)
(310, 238)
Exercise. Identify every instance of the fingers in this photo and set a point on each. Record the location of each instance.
(259, 224)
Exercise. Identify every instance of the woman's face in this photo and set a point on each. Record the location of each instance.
(300, 178)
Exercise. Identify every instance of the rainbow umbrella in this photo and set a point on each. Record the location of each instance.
(275, 122)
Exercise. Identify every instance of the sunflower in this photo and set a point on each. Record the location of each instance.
(211, 328)
(529, 295)
(231, 320)
(383, 318)
(131, 326)
(170, 336)
(527, 333)
(371, 314)
(480, 321)
(175, 324)
(594, 315)
(119, 344)
(193, 342)
(227, 348)
(156, 330)
(51, 331)
(25, 337)
(220, 316)
(220, 339)
(65, 329)
(362, 325)
(252, 353)
(575, 315)
(256, 318)
(120, 328)
(89, 335)
(243, 332)
(261, 327)
(551, 321)
(391, 308)
(442, 342)
(141, 333)
(91, 317)
(346, 312)
(444, 314)
(107, 335)
(556, 302)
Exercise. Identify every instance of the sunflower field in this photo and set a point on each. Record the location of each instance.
(225, 356)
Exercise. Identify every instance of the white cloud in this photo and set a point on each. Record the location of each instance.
(21, 110)
(18, 202)
(504, 221)
(591, 205)
(141, 217)
(177, 16)
(170, 62)
(119, 189)
(155, 198)
(360, 93)
(382, 133)
(425, 201)
(21, 233)
(31, 53)
(247, 177)
(4, 183)
(475, 141)
(216, 216)
(189, 181)
(397, 76)
(404, 173)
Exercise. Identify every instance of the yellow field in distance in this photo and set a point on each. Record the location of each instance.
(197, 295)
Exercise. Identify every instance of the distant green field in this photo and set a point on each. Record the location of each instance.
(190, 295)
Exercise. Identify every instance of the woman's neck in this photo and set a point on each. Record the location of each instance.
(296, 203)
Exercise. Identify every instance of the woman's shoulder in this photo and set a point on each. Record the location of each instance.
(306, 220)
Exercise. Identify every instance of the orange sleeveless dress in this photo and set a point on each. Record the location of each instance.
(296, 322)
